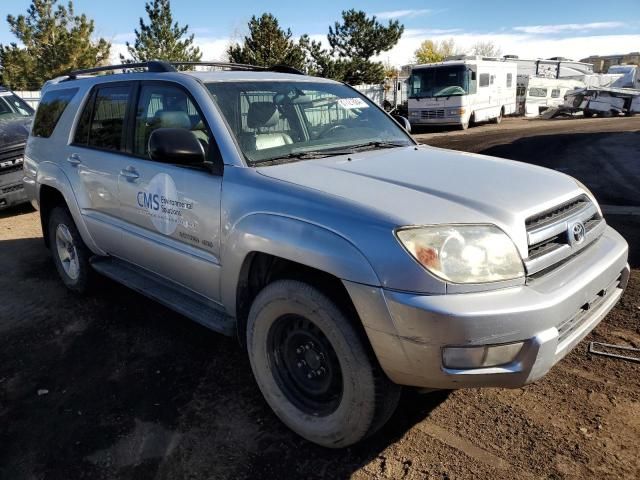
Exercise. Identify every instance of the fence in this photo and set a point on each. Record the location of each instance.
(32, 97)
(392, 94)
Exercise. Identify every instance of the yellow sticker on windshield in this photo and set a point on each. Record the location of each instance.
(349, 103)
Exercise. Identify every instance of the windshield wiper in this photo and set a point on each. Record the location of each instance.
(315, 154)
(377, 144)
(309, 155)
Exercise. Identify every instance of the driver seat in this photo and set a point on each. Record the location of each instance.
(263, 115)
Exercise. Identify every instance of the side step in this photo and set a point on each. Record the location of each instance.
(175, 297)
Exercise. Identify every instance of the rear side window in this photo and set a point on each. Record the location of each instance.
(555, 93)
(50, 109)
(484, 79)
(509, 79)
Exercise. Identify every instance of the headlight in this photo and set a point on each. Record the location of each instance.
(457, 111)
(464, 253)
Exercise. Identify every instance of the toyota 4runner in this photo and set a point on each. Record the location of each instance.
(293, 212)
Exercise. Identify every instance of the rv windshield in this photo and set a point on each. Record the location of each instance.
(442, 81)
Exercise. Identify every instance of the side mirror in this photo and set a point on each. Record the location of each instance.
(175, 145)
(403, 121)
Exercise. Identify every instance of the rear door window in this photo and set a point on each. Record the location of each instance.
(106, 129)
(555, 93)
(50, 109)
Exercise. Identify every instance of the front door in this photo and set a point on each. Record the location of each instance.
(171, 213)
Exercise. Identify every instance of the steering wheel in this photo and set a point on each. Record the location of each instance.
(331, 130)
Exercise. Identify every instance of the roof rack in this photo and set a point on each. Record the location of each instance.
(162, 66)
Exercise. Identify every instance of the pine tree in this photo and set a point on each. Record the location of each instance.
(161, 38)
(267, 44)
(54, 41)
(357, 39)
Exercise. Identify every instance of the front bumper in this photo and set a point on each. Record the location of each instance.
(12, 190)
(550, 314)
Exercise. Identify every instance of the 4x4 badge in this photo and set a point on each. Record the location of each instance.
(576, 233)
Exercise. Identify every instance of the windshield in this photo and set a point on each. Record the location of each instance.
(281, 120)
(439, 81)
(11, 104)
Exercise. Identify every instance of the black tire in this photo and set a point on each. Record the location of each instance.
(498, 119)
(349, 399)
(77, 279)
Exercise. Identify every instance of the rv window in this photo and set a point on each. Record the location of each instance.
(555, 93)
(509, 79)
(520, 91)
(537, 92)
(484, 79)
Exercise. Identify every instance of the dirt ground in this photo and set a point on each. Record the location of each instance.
(116, 386)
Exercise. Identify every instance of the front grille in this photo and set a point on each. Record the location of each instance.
(12, 188)
(432, 113)
(549, 239)
(556, 213)
(11, 159)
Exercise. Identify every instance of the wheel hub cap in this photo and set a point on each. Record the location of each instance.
(67, 252)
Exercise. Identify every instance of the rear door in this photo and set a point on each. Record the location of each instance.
(171, 213)
(98, 153)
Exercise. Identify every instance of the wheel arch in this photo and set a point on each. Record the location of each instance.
(264, 247)
(54, 188)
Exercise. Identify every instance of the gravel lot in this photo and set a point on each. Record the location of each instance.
(116, 386)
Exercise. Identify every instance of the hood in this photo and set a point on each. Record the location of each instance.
(424, 185)
(14, 129)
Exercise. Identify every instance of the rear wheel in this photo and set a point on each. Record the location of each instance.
(70, 254)
(313, 367)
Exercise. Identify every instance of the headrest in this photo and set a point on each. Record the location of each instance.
(262, 114)
(172, 119)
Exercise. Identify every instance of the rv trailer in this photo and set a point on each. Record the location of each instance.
(462, 90)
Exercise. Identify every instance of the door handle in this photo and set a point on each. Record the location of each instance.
(74, 159)
(130, 173)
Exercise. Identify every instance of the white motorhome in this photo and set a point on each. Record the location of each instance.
(462, 90)
(537, 94)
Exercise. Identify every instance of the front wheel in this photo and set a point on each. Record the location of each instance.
(313, 367)
(498, 119)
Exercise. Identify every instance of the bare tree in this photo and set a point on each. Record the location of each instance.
(486, 49)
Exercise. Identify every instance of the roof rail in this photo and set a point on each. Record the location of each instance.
(151, 66)
(241, 66)
(162, 66)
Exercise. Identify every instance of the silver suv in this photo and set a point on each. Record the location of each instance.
(293, 212)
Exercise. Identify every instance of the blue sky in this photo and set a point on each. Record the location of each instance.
(530, 29)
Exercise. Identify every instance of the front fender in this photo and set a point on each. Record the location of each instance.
(291, 239)
(53, 176)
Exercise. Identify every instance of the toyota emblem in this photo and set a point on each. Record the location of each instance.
(576, 233)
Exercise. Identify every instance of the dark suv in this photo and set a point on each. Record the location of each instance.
(15, 121)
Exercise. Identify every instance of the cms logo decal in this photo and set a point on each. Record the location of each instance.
(157, 201)
(150, 201)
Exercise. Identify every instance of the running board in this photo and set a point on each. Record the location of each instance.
(175, 297)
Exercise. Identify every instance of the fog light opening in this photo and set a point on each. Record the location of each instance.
(480, 357)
